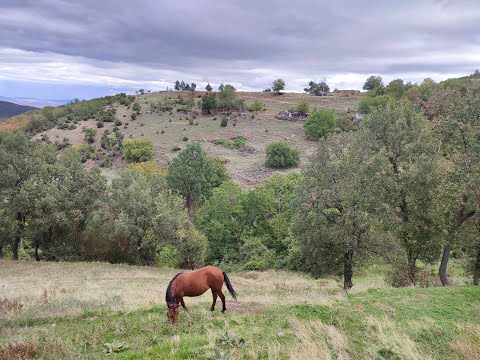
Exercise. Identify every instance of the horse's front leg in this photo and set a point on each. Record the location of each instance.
(183, 304)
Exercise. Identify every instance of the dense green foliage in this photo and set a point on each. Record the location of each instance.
(278, 85)
(320, 124)
(209, 103)
(318, 89)
(281, 155)
(138, 150)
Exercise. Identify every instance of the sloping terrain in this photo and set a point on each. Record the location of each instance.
(8, 109)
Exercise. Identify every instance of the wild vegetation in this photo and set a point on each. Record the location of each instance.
(399, 191)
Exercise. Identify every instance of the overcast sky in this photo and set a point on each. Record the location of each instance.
(58, 49)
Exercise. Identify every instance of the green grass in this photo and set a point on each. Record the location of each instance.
(279, 318)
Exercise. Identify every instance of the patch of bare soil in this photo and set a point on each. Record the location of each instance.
(240, 307)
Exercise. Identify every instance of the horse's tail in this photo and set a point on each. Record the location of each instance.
(229, 286)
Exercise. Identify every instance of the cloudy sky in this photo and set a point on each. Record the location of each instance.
(60, 49)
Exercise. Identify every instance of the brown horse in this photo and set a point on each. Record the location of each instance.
(195, 283)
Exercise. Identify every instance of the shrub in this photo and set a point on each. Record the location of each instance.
(224, 122)
(136, 107)
(281, 155)
(100, 124)
(87, 151)
(255, 106)
(168, 257)
(320, 123)
(133, 116)
(89, 136)
(302, 107)
(209, 103)
(138, 150)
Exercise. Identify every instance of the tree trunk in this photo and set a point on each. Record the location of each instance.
(460, 217)
(37, 245)
(347, 269)
(15, 246)
(411, 268)
(442, 271)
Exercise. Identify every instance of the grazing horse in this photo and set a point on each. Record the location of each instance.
(195, 283)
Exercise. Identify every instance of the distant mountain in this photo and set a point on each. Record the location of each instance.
(38, 103)
(8, 109)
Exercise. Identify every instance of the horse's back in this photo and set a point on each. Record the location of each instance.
(196, 282)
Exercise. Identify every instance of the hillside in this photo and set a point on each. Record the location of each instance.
(170, 128)
(8, 109)
(91, 310)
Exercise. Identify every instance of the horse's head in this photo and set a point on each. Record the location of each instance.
(172, 312)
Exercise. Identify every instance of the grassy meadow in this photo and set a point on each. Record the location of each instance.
(98, 310)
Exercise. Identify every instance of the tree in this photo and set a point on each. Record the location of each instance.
(402, 164)
(373, 82)
(193, 87)
(177, 85)
(320, 124)
(221, 87)
(220, 219)
(138, 150)
(141, 91)
(182, 85)
(194, 175)
(396, 88)
(136, 108)
(278, 85)
(317, 89)
(209, 103)
(226, 98)
(281, 155)
(25, 173)
(208, 87)
(330, 221)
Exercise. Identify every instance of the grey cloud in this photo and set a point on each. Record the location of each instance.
(229, 38)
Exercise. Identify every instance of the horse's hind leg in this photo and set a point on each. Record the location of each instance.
(214, 294)
(222, 297)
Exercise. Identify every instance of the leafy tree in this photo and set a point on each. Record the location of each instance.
(182, 85)
(138, 150)
(404, 174)
(141, 91)
(136, 108)
(26, 168)
(220, 219)
(320, 124)
(373, 82)
(226, 98)
(278, 85)
(208, 87)
(193, 87)
(89, 135)
(267, 90)
(281, 155)
(331, 222)
(317, 89)
(209, 103)
(194, 175)
(368, 102)
(396, 88)
(221, 87)
(177, 85)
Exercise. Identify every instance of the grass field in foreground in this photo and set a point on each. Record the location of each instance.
(92, 310)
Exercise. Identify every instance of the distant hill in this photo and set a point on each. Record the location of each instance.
(38, 103)
(8, 109)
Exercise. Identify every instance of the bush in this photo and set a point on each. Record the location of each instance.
(100, 124)
(168, 257)
(320, 123)
(255, 106)
(136, 107)
(133, 116)
(224, 122)
(87, 151)
(302, 107)
(209, 103)
(89, 136)
(281, 155)
(256, 255)
(138, 150)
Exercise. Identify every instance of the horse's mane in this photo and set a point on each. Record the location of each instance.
(169, 298)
